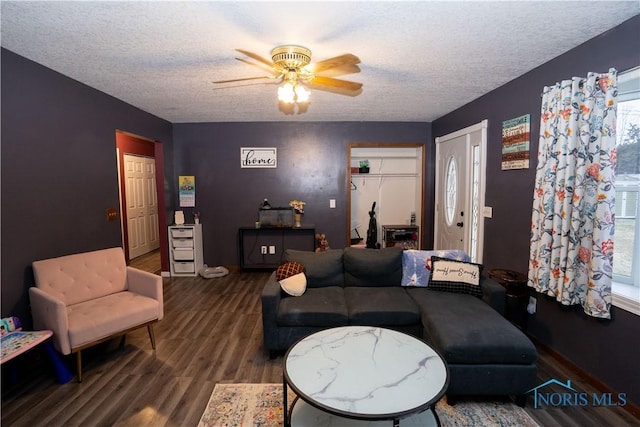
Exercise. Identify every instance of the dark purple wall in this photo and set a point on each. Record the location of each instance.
(600, 347)
(312, 162)
(59, 170)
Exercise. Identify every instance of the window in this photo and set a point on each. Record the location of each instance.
(626, 258)
(475, 202)
(451, 187)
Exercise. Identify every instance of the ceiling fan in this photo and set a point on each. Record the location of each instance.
(291, 66)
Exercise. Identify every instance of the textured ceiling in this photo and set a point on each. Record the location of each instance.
(420, 60)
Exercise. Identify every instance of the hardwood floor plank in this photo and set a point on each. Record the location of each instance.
(192, 403)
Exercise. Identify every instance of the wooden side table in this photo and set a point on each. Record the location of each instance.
(517, 295)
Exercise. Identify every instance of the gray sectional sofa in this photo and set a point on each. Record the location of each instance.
(485, 353)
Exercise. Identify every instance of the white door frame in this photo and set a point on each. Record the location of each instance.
(482, 210)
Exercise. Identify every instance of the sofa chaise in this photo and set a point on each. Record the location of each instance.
(485, 353)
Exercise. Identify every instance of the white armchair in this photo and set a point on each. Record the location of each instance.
(91, 297)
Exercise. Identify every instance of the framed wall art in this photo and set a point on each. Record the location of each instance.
(515, 143)
(258, 157)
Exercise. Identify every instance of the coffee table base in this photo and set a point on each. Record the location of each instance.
(306, 415)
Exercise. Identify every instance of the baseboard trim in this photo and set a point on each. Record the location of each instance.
(631, 408)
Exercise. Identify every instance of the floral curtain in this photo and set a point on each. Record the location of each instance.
(571, 254)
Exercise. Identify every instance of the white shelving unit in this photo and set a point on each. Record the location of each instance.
(185, 249)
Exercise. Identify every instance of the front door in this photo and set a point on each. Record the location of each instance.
(451, 189)
(460, 182)
(142, 206)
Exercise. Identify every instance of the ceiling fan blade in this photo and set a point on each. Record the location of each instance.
(340, 71)
(341, 87)
(246, 84)
(243, 79)
(336, 62)
(257, 57)
(269, 70)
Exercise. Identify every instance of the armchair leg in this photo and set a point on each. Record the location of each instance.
(151, 336)
(79, 365)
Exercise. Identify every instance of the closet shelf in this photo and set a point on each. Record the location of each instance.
(390, 175)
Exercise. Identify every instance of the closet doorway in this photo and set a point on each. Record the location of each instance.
(392, 177)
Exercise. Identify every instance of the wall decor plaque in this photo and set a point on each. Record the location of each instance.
(515, 143)
(258, 157)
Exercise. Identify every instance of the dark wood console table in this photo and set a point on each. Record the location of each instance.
(253, 241)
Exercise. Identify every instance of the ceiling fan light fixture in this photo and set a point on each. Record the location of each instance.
(290, 67)
(286, 93)
(291, 56)
(293, 93)
(302, 93)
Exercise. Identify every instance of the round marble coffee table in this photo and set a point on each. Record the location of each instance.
(363, 376)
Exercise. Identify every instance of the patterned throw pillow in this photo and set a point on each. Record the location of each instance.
(416, 265)
(455, 276)
(291, 277)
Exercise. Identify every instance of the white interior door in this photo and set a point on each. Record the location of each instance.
(142, 204)
(460, 188)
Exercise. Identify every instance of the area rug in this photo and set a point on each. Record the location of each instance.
(260, 405)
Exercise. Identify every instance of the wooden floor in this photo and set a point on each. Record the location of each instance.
(211, 333)
(149, 262)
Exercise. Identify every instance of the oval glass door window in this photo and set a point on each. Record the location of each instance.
(451, 191)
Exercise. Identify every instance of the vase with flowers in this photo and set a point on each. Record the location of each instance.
(298, 208)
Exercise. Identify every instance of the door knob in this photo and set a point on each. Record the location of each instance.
(460, 224)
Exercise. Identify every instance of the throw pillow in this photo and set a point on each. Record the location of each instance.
(455, 276)
(291, 277)
(416, 265)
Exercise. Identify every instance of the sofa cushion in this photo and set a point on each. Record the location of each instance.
(380, 306)
(455, 276)
(102, 317)
(372, 267)
(317, 307)
(465, 330)
(321, 268)
(416, 265)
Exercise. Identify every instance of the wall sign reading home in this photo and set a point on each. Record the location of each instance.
(258, 157)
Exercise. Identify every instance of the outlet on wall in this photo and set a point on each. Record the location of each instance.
(263, 250)
(272, 250)
(112, 214)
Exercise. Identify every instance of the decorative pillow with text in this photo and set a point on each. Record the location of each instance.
(416, 264)
(460, 277)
